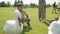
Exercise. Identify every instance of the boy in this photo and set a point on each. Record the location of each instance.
(24, 16)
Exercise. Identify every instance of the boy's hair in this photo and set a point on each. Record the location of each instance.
(19, 4)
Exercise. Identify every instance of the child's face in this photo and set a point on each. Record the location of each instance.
(20, 8)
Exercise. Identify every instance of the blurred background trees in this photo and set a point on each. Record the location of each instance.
(33, 5)
(15, 4)
(2, 4)
(8, 4)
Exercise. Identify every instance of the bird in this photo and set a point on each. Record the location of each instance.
(54, 27)
(12, 26)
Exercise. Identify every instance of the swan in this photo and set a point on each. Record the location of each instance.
(12, 26)
(54, 27)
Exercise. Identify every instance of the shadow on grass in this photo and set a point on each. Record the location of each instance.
(26, 29)
(47, 23)
(50, 21)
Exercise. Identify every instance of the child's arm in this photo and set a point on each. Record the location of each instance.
(26, 14)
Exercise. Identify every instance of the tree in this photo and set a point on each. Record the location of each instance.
(48, 5)
(25, 6)
(8, 4)
(42, 10)
(16, 3)
(19, 1)
(33, 5)
(2, 4)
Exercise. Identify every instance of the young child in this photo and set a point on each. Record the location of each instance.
(24, 16)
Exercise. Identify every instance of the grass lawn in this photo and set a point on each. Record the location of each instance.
(37, 27)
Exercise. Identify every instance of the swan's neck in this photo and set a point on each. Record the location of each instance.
(16, 21)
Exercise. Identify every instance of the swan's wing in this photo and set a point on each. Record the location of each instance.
(9, 23)
(52, 25)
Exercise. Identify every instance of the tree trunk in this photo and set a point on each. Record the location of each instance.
(42, 9)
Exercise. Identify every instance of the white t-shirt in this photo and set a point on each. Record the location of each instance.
(17, 15)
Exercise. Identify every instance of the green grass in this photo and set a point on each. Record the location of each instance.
(37, 27)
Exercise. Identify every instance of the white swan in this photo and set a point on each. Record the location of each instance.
(54, 27)
(12, 26)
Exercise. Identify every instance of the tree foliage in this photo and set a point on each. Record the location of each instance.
(2, 4)
(33, 5)
(15, 4)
